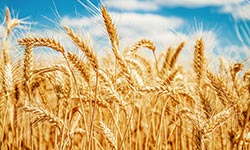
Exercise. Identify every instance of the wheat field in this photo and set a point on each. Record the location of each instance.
(121, 101)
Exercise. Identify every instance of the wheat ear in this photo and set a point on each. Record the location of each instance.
(222, 91)
(41, 115)
(216, 120)
(148, 44)
(145, 62)
(79, 64)
(28, 62)
(115, 45)
(5, 51)
(199, 59)
(86, 49)
(171, 76)
(110, 27)
(108, 134)
(176, 55)
(47, 42)
(143, 43)
(166, 63)
(7, 80)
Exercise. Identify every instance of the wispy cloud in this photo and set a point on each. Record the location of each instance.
(234, 51)
(238, 11)
(197, 3)
(147, 5)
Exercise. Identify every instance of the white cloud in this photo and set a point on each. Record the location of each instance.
(78, 22)
(131, 28)
(88, 25)
(163, 31)
(132, 5)
(132, 25)
(148, 22)
(135, 26)
(74, 22)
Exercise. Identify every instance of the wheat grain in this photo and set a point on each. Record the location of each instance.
(199, 60)
(28, 62)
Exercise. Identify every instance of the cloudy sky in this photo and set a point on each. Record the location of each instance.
(224, 25)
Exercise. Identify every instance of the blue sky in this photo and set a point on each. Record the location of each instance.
(166, 22)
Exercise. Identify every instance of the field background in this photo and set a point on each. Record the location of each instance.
(125, 79)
